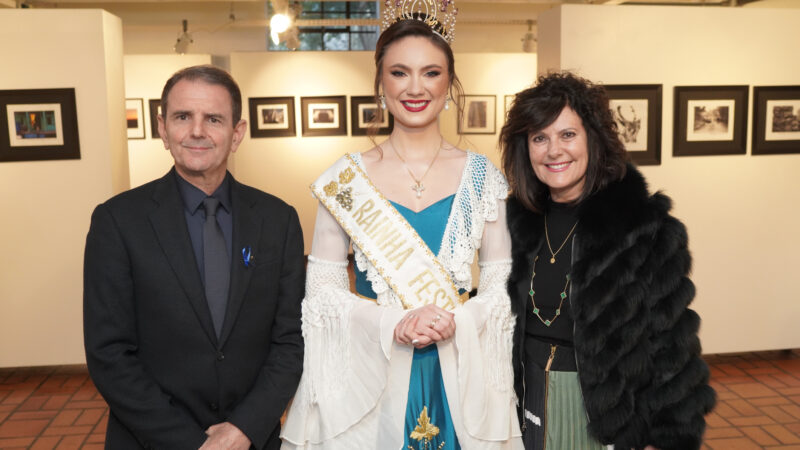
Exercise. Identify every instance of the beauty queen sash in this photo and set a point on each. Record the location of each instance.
(388, 241)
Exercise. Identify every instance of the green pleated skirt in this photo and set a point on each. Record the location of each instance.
(555, 418)
(565, 415)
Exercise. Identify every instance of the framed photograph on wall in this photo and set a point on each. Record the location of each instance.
(155, 110)
(479, 115)
(38, 124)
(363, 111)
(134, 116)
(637, 113)
(324, 116)
(272, 117)
(776, 120)
(710, 120)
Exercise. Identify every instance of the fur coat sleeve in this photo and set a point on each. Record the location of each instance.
(636, 342)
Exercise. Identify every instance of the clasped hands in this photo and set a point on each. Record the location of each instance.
(423, 326)
(225, 436)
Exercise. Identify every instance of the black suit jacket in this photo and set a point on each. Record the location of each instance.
(150, 342)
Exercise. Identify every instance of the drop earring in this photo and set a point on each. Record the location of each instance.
(447, 103)
(382, 99)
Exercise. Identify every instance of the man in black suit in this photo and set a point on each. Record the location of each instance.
(192, 289)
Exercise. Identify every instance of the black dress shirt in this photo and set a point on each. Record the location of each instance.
(196, 215)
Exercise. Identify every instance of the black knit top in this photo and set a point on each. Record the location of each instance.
(551, 278)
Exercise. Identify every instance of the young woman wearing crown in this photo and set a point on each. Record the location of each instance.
(409, 362)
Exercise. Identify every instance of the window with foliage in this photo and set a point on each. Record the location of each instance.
(336, 38)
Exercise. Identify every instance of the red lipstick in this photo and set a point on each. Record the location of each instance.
(422, 105)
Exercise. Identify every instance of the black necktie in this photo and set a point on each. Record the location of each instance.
(217, 266)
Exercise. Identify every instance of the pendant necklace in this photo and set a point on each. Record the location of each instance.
(418, 187)
(563, 296)
(547, 238)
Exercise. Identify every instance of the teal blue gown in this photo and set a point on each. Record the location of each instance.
(425, 388)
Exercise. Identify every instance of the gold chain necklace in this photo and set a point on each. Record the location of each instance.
(563, 296)
(547, 238)
(417, 186)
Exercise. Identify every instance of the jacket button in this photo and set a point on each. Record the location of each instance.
(214, 406)
(220, 356)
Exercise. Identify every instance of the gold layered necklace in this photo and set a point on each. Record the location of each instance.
(563, 295)
(418, 187)
(547, 238)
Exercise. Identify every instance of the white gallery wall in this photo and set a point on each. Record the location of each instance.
(741, 210)
(145, 76)
(46, 205)
(286, 166)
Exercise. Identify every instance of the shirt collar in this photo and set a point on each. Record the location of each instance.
(193, 197)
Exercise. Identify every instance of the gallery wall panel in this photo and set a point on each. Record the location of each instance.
(47, 204)
(742, 232)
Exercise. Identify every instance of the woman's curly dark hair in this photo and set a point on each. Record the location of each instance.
(535, 109)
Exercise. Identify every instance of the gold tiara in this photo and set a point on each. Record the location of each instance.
(439, 15)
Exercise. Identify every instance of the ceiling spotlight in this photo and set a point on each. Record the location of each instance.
(182, 44)
(277, 25)
(529, 40)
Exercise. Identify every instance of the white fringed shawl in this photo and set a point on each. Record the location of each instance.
(355, 380)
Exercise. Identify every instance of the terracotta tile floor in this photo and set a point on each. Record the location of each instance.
(50, 408)
(758, 401)
(759, 405)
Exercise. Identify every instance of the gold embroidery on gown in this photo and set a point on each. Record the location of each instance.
(425, 431)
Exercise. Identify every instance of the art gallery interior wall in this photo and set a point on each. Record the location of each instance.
(46, 205)
(740, 210)
(287, 166)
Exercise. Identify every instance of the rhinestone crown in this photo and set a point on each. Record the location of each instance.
(440, 15)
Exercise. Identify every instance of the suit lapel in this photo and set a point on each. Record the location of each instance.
(169, 224)
(246, 232)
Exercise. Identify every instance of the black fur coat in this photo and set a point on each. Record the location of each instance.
(636, 342)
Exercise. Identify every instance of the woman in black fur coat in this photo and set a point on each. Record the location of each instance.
(605, 347)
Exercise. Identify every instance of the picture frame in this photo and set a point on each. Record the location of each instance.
(776, 120)
(154, 107)
(324, 116)
(38, 124)
(710, 120)
(362, 111)
(479, 115)
(272, 117)
(134, 117)
(637, 112)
